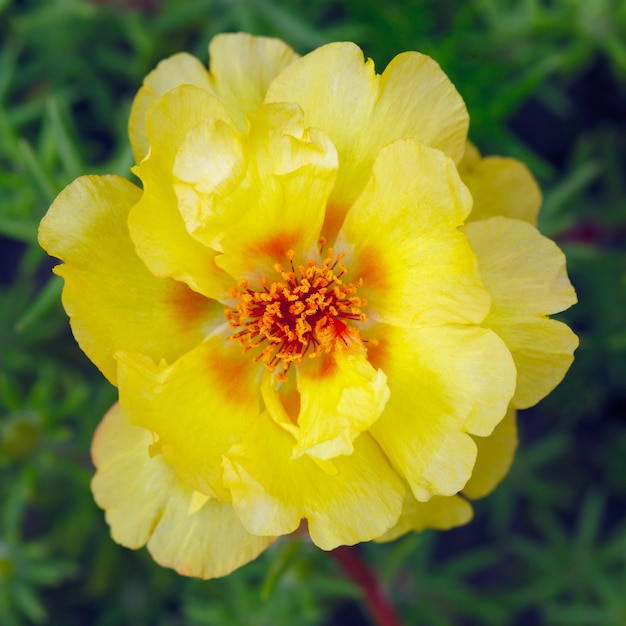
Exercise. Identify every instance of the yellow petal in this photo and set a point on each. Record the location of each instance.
(495, 457)
(155, 223)
(361, 111)
(446, 383)
(272, 492)
(500, 186)
(198, 500)
(341, 395)
(242, 67)
(111, 298)
(282, 400)
(416, 267)
(210, 162)
(526, 278)
(293, 171)
(197, 407)
(255, 197)
(146, 503)
(543, 350)
(440, 512)
(180, 69)
(523, 270)
(471, 158)
(418, 100)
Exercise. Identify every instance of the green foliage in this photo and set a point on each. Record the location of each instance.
(544, 81)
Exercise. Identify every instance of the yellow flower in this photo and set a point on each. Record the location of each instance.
(304, 315)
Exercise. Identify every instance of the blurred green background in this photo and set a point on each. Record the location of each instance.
(543, 81)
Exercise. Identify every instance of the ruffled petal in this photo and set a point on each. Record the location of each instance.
(258, 196)
(197, 407)
(500, 186)
(523, 270)
(146, 503)
(210, 162)
(361, 111)
(242, 67)
(112, 299)
(416, 267)
(180, 69)
(418, 100)
(155, 223)
(272, 492)
(495, 457)
(446, 383)
(543, 350)
(442, 513)
(341, 395)
(526, 278)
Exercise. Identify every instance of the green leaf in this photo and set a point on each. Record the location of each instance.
(47, 300)
(43, 181)
(28, 602)
(67, 151)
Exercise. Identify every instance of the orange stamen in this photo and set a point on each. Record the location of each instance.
(306, 313)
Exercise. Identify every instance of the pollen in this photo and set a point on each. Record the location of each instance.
(306, 311)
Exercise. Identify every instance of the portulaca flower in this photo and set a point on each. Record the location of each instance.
(315, 307)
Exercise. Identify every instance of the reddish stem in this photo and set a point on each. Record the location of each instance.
(353, 565)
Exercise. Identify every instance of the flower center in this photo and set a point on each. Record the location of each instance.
(306, 311)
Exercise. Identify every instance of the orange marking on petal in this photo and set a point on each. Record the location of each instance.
(290, 399)
(370, 269)
(277, 246)
(377, 353)
(333, 221)
(228, 373)
(189, 307)
(328, 367)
